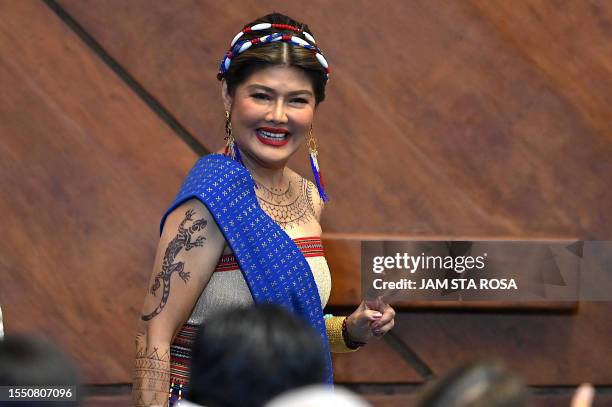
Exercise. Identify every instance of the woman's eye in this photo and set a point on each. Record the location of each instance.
(260, 96)
(299, 101)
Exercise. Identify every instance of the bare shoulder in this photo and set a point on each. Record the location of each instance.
(315, 202)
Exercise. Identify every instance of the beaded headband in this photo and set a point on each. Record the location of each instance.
(236, 48)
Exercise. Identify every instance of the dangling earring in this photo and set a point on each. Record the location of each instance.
(314, 164)
(231, 148)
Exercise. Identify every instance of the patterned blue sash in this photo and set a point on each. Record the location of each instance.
(274, 268)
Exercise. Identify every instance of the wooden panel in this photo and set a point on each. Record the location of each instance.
(602, 398)
(343, 254)
(436, 121)
(375, 363)
(561, 346)
(86, 170)
(124, 400)
(344, 258)
(382, 397)
(391, 400)
(536, 400)
(563, 349)
(577, 33)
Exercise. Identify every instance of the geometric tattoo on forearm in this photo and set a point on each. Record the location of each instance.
(151, 377)
(169, 267)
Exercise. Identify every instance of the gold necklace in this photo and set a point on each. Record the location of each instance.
(289, 208)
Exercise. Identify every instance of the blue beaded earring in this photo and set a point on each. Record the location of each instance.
(314, 164)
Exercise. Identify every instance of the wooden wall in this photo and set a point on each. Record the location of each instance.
(463, 118)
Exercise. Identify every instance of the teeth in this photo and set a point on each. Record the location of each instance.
(278, 136)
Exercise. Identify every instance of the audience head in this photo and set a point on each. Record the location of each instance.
(30, 361)
(476, 384)
(319, 396)
(246, 356)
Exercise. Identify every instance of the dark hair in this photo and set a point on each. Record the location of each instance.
(276, 53)
(476, 384)
(30, 361)
(246, 356)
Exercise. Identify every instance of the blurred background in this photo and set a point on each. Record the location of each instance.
(443, 119)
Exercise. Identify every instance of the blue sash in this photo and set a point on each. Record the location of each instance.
(274, 268)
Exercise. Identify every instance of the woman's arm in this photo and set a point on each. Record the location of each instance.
(334, 325)
(347, 334)
(188, 251)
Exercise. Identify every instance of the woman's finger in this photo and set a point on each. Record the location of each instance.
(376, 304)
(388, 315)
(363, 320)
(389, 311)
(368, 317)
(383, 328)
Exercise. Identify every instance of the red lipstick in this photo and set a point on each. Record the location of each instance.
(276, 137)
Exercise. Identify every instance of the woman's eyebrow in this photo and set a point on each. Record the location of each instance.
(295, 92)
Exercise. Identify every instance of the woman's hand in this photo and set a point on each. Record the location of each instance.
(372, 318)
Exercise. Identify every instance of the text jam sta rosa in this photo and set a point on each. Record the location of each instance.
(448, 284)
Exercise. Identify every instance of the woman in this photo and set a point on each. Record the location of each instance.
(244, 227)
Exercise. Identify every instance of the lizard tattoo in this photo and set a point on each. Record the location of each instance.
(169, 267)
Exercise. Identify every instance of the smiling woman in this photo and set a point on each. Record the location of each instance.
(271, 114)
(245, 228)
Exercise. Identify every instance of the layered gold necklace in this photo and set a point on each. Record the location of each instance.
(290, 207)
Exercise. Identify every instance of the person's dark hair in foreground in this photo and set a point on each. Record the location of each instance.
(30, 361)
(246, 356)
(476, 384)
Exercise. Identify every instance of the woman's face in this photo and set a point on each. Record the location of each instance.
(271, 112)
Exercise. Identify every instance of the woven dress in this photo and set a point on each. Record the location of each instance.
(227, 289)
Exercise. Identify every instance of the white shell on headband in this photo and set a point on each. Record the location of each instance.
(256, 27)
(310, 37)
(236, 38)
(299, 41)
(227, 63)
(261, 26)
(322, 60)
(245, 46)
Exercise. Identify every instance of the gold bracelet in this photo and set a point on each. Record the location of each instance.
(337, 344)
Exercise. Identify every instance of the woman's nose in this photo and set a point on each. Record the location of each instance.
(277, 114)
